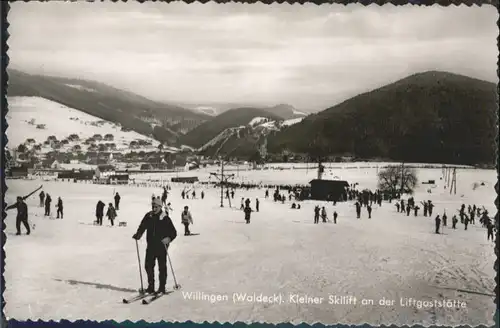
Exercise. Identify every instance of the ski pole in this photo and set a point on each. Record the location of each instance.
(139, 260)
(176, 285)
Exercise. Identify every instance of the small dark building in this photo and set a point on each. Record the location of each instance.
(118, 179)
(76, 175)
(329, 190)
(18, 172)
(185, 179)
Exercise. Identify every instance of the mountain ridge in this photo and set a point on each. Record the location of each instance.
(430, 116)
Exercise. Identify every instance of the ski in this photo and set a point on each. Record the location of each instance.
(154, 297)
(134, 298)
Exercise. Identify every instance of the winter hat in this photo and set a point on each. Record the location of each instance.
(156, 201)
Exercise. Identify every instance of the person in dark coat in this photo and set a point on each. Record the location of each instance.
(117, 201)
(248, 211)
(160, 233)
(59, 207)
(111, 214)
(454, 222)
(48, 200)
(490, 231)
(42, 198)
(431, 206)
(99, 212)
(415, 209)
(257, 204)
(335, 215)
(445, 219)
(369, 209)
(438, 223)
(358, 210)
(316, 214)
(22, 215)
(202, 194)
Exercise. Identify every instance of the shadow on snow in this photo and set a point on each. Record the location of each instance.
(97, 285)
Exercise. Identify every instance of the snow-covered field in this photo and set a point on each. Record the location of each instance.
(73, 270)
(60, 121)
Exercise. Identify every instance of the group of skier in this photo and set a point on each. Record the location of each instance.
(46, 200)
(468, 218)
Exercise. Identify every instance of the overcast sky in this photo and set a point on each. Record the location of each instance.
(306, 55)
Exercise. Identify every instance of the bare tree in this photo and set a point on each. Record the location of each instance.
(394, 179)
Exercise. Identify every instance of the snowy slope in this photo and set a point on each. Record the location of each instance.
(60, 121)
(72, 270)
(292, 121)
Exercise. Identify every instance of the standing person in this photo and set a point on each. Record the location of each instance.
(164, 196)
(416, 208)
(202, 194)
(316, 214)
(445, 218)
(168, 209)
(466, 221)
(59, 207)
(323, 214)
(431, 206)
(248, 211)
(454, 222)
(257, 204)
(22, 215)
(99, 212)
(186, 219)
(48, 200)
(242, 204)
(369, 208)
(42, 198)
(438, 223)
(160, 233)
(117, 201)
(358, 210)
(111, 214)
(335, 215)
(490, 231)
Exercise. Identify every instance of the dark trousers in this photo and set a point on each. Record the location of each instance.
(437, 228)
(47, 210)
(186, 228)
(153, 254)
(117, 205)
(112, 221)
(99, 219)
(25, 223)
(60, 210)
(316, 218)
(490, 234)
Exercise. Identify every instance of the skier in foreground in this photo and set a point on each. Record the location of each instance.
(160, 233)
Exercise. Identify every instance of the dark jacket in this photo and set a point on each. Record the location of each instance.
(158, 227)
(22, 210)
(99, 209)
